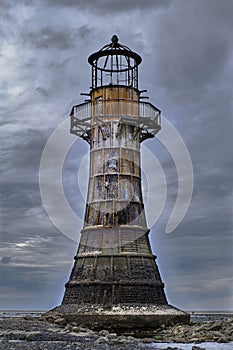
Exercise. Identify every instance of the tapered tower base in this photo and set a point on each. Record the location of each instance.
(122, 317)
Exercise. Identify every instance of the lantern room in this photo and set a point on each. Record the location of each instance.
(114, 64)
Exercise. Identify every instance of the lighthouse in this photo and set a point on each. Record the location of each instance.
(115, 281)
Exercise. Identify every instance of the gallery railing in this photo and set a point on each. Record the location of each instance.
(142, 114)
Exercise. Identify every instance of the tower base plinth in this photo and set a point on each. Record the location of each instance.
(122, 317)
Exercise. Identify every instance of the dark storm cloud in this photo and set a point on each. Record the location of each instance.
(6, 260)
(17, 281)
(5, 4)
(49, 37)
(20, 158)
(42, 92)
(194, 57)
(113, 7)
(194, 261)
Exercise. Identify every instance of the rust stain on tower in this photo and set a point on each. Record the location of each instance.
(115, 275)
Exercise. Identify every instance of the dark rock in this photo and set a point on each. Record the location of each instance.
(101, 340)
(61, 321)
(37, 334)
(5, 344)
(30, 336)
(104, 332)
(222, 340)
(215, 327)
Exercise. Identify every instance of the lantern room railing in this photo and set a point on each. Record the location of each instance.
(89, 114)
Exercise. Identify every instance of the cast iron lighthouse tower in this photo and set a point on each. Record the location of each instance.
(114, 265)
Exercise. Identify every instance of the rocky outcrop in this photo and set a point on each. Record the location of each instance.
(55, 333)
(121, 317)
(220, 332)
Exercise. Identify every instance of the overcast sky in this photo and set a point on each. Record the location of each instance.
(187, 68)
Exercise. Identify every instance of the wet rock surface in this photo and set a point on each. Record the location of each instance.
(54, 333)
(34, 333)
(220, 332)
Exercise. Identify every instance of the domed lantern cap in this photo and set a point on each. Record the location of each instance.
(116, 57)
